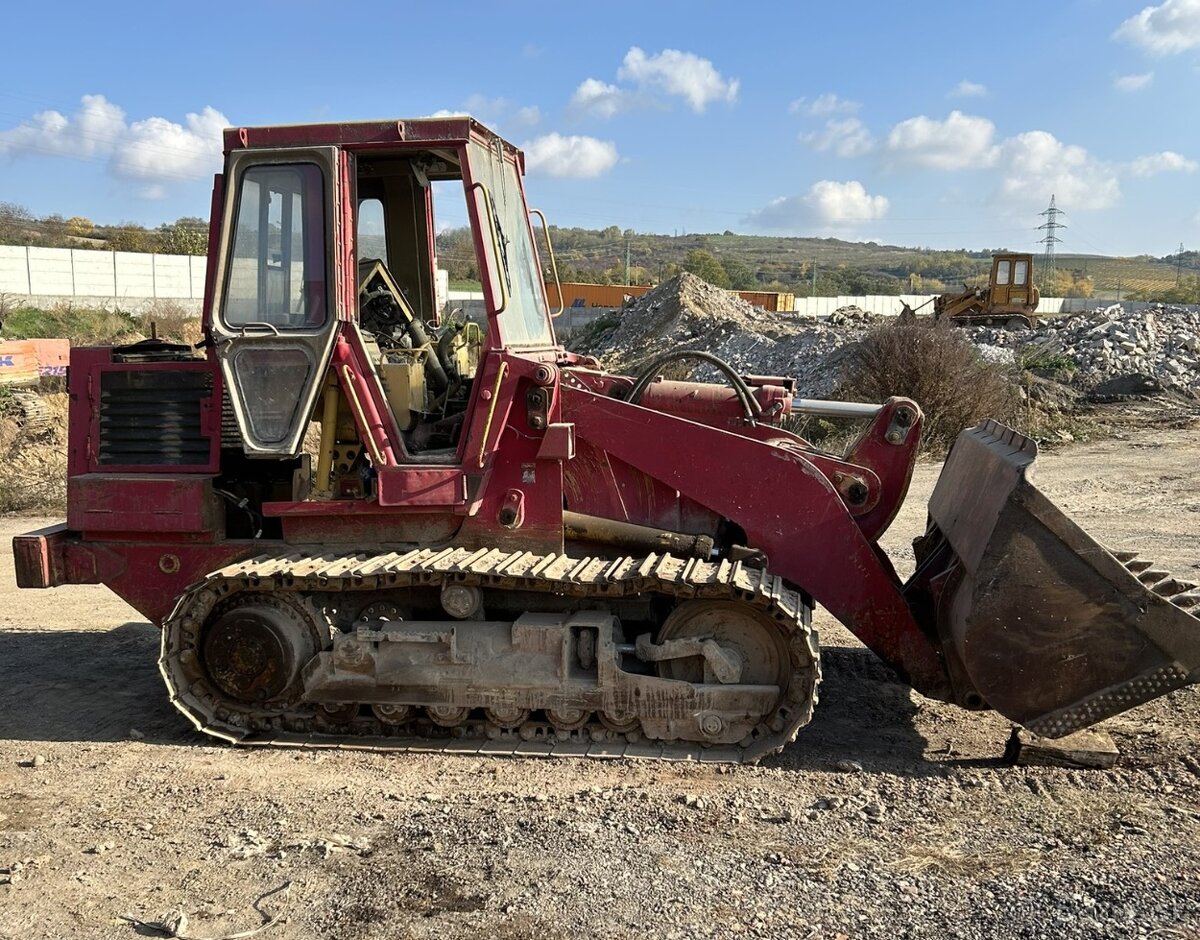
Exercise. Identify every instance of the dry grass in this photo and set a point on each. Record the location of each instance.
(937, 366)
(965, 863)
(83, 326)
(173, 322)
(33, 468)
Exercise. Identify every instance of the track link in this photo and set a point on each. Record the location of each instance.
(296, 578)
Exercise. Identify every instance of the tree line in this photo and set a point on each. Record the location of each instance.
(185, 236)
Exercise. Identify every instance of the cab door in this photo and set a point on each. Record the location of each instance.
(274, 320)
(1002, 279)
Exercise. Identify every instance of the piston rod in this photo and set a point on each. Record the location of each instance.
(835, 409)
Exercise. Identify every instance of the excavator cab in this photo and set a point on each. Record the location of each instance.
(329, 323)
(1011, 289)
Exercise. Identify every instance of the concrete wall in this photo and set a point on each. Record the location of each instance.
(134, 282)
(91, 278)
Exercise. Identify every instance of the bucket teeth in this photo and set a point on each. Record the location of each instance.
(1182, 594)
(1171, 586)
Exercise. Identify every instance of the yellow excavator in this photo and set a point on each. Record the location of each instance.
(1009, 298)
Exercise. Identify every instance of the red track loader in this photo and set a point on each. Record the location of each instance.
(357, 521)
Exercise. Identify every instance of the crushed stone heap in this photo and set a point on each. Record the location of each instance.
(1156, 349)
(1162, 343)
(687, 312)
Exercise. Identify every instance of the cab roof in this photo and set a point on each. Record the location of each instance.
(365, 135)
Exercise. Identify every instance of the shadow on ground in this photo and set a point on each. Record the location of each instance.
(86, 685)
(866, 715)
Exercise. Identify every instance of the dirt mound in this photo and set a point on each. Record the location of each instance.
(687, 312)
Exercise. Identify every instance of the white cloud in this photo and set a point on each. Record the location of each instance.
(95, 128)
(823, 105)
(960, 142)
(684, 74)
(526, 117)
(847, 137)
(966, 89)
(1133, 82)
(157, 148)
(1036, 164)
(827, 204)
(574, 156)
(495, 113)
(488, 110)
(1165, 161)
(154, 150)
(598, 98)
(1170, 27)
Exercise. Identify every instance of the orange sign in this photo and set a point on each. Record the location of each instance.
(23, 361)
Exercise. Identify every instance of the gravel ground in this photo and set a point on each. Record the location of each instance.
(891, 816)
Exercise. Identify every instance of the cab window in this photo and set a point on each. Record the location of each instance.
(372, 245)
(1020, 272)
(1002, 268)
(277, 261)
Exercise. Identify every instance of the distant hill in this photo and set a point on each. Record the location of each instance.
(759, 262)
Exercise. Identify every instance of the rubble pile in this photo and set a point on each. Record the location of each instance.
(1156, 347)
(687, 312)
(1105, 351)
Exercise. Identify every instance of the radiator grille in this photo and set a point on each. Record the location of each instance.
(152, 418)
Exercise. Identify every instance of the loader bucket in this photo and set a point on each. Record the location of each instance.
(1037, 619)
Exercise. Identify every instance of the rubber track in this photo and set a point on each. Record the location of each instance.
(304, 573)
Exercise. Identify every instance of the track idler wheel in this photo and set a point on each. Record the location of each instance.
(567, 719)
(254, 651)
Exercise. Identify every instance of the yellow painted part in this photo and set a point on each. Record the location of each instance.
(329, 412)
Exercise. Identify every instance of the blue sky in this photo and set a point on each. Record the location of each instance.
(927, 124)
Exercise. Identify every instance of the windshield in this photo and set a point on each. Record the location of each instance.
(525, 321)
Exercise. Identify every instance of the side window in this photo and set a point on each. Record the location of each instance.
(1002, 271)
(277, 262)
(1020, 272)
(371, 241)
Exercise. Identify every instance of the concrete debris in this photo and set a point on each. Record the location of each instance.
(252, 844)
(1083, 749)
(1146, 352)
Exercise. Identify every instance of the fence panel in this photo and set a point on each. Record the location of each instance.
(14, 269)
(50, 271)
(95, 274)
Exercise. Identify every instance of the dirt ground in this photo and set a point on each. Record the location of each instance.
(890, 816)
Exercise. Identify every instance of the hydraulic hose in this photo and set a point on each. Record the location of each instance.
(749, 403)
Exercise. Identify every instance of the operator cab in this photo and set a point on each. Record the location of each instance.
(331, 328)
